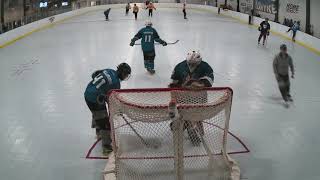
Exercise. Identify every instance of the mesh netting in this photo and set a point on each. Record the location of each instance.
(148, 145)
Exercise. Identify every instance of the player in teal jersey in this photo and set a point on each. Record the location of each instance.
(103, 81)
(148, 36)
(195, 74)
(192, 72)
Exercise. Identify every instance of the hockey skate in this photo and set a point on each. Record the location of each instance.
(106, 150)
(98, 135)
(151, 71)
(290, 98)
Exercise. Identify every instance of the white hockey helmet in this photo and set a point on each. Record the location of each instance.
(194, 57)
(148, 23)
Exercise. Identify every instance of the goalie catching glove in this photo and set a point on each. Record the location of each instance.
(194, 84)
(191, 84)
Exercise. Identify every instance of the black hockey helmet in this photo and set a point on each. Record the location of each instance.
(124, 71)
(283, 47)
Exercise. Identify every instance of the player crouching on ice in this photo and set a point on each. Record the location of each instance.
(148, 35)
(281, 64)
(95, 95)
(195, 74)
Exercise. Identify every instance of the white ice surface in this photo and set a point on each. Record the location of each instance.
(45, 124)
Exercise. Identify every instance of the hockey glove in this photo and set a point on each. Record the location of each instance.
(101, 99)
(196, 85)
(132, 43)
(174, 85)
(164, 43)
(268, 33)
(96, 73)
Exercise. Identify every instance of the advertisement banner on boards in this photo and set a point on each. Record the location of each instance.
(292, 10)
(233, 4)
(246, 6)
(266, 8)
(220, 2)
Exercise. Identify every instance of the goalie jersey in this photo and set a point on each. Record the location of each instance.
(203, 72)
(102, 82)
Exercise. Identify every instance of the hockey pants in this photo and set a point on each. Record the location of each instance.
(284, 86)
(149, 60)
(264, 35)
(100, 121)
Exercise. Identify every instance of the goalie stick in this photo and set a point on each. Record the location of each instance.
(169, 43)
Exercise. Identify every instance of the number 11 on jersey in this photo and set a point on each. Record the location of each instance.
(98, 81)
(147, 38)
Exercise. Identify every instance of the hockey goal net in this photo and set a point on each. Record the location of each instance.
(171, 134)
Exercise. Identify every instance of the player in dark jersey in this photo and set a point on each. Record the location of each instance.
(128, 7)
(106, 13)
(184, 10)
(95, 96)
(195, 74)
(264, 29)
(148, 36)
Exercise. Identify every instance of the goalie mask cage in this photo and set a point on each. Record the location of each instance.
(171, 134)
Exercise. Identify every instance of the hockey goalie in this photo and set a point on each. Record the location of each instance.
(192, 73)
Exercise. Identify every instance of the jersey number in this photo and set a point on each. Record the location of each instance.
(98, 81)
(147, 38)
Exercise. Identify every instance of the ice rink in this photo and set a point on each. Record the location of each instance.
(45, 124)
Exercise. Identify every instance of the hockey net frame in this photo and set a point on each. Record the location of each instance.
(126, 108)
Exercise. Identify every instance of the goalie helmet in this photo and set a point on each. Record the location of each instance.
(194, 57)
(148, 23)
(124, 71)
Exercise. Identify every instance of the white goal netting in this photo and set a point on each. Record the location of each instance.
(171, 134)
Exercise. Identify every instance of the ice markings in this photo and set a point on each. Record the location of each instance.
(22, 68)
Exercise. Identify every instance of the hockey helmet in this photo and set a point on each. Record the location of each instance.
(148, 23)
(124, 71)
(194, 57)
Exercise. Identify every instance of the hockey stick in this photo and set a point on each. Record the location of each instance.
(155, 145)
(169, 43)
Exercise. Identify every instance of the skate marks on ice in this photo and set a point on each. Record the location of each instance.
(279, 101)
(22, 68)
(149, 80)
(222, 76)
